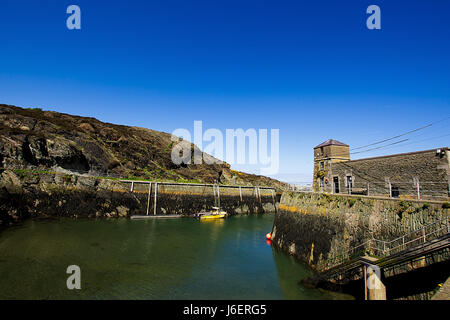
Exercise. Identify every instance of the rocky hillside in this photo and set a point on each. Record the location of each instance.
(45, 140)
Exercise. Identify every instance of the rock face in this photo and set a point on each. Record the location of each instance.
(32, 138)
(40, 195)
(314, 227)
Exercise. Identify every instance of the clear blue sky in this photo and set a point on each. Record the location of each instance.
(309, 68)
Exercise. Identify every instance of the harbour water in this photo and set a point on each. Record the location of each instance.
(150, 259)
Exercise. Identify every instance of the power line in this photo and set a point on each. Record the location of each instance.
(401, 135)
(380, 146)
(389, 146)
(419, 141)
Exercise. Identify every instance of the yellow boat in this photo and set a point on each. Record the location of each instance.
(216, 213)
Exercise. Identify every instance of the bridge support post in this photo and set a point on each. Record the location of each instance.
(156, 198)
(448, 226)
(365, 282)
(218, 194)
(273, 200)
(149, 196)
(418, 190)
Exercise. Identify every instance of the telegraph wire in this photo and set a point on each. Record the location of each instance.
(380, 146)
(389, 146)
(427, 139)
(401, 135)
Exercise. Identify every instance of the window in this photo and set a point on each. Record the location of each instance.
(349, 183)
(336, 184)
(321, 165)
(395, 193)
(321, 182)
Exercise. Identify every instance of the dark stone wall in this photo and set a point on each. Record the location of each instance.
(62, 195)
(315, 227)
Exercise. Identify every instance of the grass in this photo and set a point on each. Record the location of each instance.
(169, 147)
(180, 180)
(22, 173)
(351, 202)
(425, 206)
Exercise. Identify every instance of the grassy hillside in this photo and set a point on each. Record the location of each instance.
(33, 139)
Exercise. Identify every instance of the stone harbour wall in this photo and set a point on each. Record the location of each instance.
(25, 194)
(315, 226)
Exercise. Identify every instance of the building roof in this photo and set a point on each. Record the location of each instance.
(331, 142)
(401, 154)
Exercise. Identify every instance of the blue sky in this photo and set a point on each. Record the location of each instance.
(308, 68)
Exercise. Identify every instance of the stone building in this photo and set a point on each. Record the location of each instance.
(414, 175)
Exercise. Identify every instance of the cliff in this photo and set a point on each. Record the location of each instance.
(51, 141)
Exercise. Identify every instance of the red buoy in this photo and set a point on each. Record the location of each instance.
(269, 242)
(269, 236)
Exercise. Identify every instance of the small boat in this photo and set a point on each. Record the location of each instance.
(216, 213)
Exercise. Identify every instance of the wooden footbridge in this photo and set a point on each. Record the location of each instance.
(153, 188)
(377, 254)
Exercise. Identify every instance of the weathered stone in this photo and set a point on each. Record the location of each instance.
(334, 226)
(122, 211)
(9, 178)
(72, 195)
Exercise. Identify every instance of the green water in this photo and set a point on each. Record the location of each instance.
(149, 259)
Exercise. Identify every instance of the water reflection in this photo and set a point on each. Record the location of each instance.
(148, 259)
(289, 276)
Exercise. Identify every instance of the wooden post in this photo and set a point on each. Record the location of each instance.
(218, 194)
(418, 189)
(273, 200)
(377, 289)
(149, 195)
(448, 226)
(132, 186)
(390, 189)
(259, 194)
(240, 192)
(368, 192)
(365, 282)
(156, 198)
